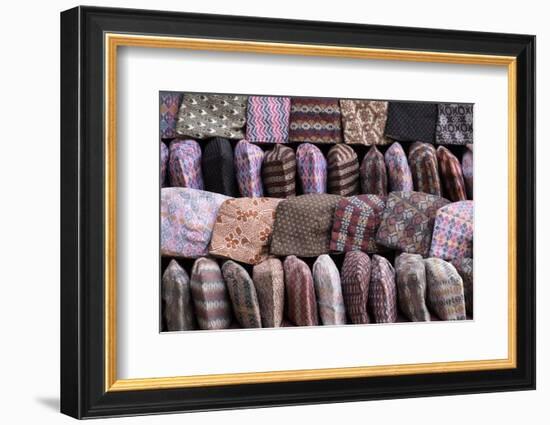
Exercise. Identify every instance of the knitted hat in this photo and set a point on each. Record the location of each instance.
(382, 291)
(453, 231)
(163, 162)
(169, 105)
(177, 310)
(303, 224)
(412, 121)
(445, 290)
(465, 268)
(185, 164)
(210, 115)
(356, 221)
(424, 170)
(468, 172)
(187, 217)
(451, 175)
(210, 296)
(355, 276)
(315, 120)
(410, 277)
(374, 179)
(328, 290)
(300, 293)
(312, 168)
(364, 121)
(243, 295)
(243, 228)
(399, 173)
(455, 124)
(248, 165)
(268, 278)
(267, 119)
(343, 171)
(279, 172)
(408, 220)
(218, 167)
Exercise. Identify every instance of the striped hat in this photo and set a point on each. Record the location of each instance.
(177, 309)
(382, 291)
(248, 165)
(169, 106)
(210, 297)
(410, 278)
(356, 273)
(279, 172)
(312, 168)
(267, 119)
(424, 170)
(315, 120)
(374, 179)
(300, 293)
(451, 174)
(243, 295)
(468, 172)
(445, 290)
(455, 124)
(453, 231)
(185, 164)
(328, 290)
(465, 268)
(268, 278)
(411, 121)
(364, 121)
(164, 154)
(399, 173)
(343, 171)
(218, 167)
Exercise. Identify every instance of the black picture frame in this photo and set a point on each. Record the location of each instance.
(83, 392)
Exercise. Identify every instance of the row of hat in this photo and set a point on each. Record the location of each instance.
(365, 290)
(247, 169)
(276, 119)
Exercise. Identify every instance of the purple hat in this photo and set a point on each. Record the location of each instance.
(312, 168)
(398, 169)
(185, 164)
(163, 162)
(248, 166)
(373, 175)
(169, 105)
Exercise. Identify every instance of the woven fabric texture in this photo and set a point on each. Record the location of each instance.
(312, 169)
(177, 309)
(268, 278)
(248, 167)
(373, 175)
(300, 293)
(328, 291)
(343, 171)
(424, 168)
(399, 173)
(445, 290)
(315, 120)
(242, 293)
(382, 300)
(410, 278)
(279, 172)
(185, 164)
(267, 119)
(364, 121)
(355, 278)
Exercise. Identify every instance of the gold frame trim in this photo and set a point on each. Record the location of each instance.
(113, 41)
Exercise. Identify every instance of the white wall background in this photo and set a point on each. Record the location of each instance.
(29, 214)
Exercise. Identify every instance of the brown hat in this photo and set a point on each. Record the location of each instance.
(268, 278)
(343, 171)
(279, 172)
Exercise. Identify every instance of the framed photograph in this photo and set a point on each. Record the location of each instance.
(261, 212)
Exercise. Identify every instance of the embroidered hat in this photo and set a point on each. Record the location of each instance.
(187, 217)
(267, 119)
(279, 172)
(453, 231)
(364, 121)
(177, 310)
(410, 278)
(382, 300)
(328, 290)
(445, 290)
(268, 278)
(455, 124)
(163, 162)
(243, 228)
(468, 172)
(315, 120)
(248, 165)
(242, 294)
(424, 170)
(300, 293)
(400, 178)
(356, 272)
(185, 164)
(312, 168)
(451, 174)
(218, 167)
(374, 179)
(343, 171)
(169, 106)
(465, 268)
(411, 121)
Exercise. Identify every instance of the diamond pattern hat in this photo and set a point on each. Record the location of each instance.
(453, 232)
(382, 300)
(328, 290)
(424, 169)
(242, 294)
(312, 169)
(300, 293)
(374, 179)
(169, 106)
(356, 274)
(185, 164)
(343, 171)
(248, 166)
(399, 173)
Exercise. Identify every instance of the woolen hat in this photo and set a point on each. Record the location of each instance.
(268, 278)
(445, 290)
(355, 277)
(279, 172)
(373, 175)
(218, 167)
(314, 119)
(399, 173)
(328, 291)
(468, 172)
(185, 164)
(451, 175)
(412, 121)
(343, 171)
(455, 124)
(364, 121)
(164, 154)
(410, 278)
(267, 119)
(465, 268)
(424, 169)
(248, 167)
(169, 106)
(382, 300)
(312, 168)
(177, 309)
(242, 293)
(453, 231)
(300, 293)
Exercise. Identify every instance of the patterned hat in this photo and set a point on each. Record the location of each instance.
(268, 278)
(410, 277)
(451, 174)
(218, 167)
(343, 171)
(356, 221)
(210, 115)
(164, 154)
(364, 121)
(453, 231)
(455, 124)
(465, 268)
(242, 229)
(399, 173)
(303, 224)
(243, 295)
(176, 298)
(412, 121)
(424, 170)
(328, 289)
(315, 120)
(356, 272)
(468, 172)
(445, 290)
(169, 105)
(408, 220)
(279, 172)
(382, 291)
(312, 168)
(210, 297)
(374, 179)
(248, 164)
(300, 293)
(187, 217)
(185, 164)
(267, 119)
